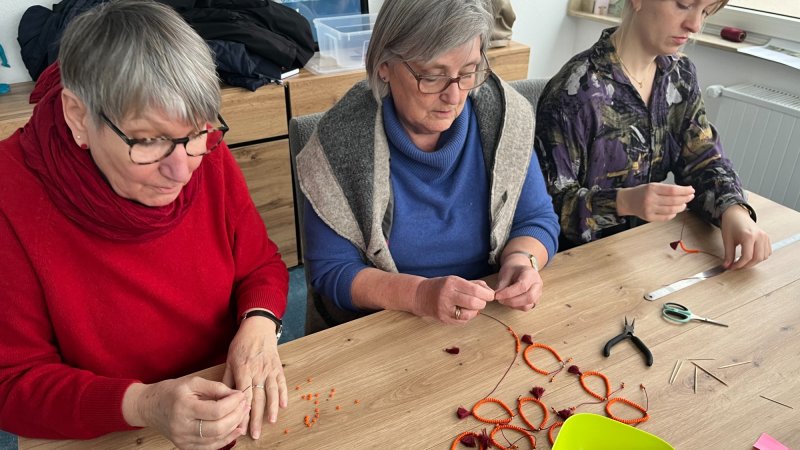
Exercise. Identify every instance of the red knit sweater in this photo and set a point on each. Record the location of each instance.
(82, 317)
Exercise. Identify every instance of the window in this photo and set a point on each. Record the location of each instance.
(778, 7)
(768, 18)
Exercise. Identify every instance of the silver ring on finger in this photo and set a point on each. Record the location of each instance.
(457, 313)
(200, 428)
(258, 386)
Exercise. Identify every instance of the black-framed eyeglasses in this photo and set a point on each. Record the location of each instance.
(152, 150)
(435, 84)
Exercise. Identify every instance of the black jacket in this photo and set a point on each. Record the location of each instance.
(268, 29)
(40, 31)
(238, 67)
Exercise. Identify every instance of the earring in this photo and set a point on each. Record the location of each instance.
(84, 147)
(383, 79)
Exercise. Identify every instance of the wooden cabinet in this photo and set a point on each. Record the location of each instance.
(259, 127)
(255, 115)
(309, 93)
(268, 173)
(15, 109)
(511, 62)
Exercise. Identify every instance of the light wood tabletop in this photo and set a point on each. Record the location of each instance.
(396, 387)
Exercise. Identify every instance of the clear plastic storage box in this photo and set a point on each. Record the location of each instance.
(345, 39)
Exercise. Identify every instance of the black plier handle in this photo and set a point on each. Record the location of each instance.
(628, 333)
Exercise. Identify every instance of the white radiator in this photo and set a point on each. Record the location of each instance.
(760, 132)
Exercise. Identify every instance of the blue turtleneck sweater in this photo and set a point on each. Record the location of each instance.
(441, 212)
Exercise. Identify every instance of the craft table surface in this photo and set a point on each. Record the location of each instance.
(409, 388)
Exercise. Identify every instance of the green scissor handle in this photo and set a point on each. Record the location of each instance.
(678, 313)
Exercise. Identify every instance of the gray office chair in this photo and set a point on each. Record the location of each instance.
(302, 127)
(530, 89)
(300, 130)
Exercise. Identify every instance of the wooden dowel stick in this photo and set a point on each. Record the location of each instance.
(712, 375)
(674, 371)
(775, 401)
(734, 364)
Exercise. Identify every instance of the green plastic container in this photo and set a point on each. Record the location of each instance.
(595, 432)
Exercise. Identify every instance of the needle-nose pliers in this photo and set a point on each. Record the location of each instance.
(628, 333)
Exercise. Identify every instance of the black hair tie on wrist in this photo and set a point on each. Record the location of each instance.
(268, 315)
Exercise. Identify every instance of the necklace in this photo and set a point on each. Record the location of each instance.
(628, 71)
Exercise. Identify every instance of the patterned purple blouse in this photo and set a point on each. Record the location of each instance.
(595, 135)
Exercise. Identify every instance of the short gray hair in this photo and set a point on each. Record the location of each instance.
(125, 56)
(421, 30)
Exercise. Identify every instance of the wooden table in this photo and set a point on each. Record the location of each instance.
(408, 388)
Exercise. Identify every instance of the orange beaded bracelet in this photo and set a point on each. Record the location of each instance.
(551, 430)
(525, 432)
(546, 414)
(591, 392)
(464, 434)
(495, 421)
(544, 346)
(630, 403)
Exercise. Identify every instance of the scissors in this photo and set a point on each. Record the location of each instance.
(681, 314)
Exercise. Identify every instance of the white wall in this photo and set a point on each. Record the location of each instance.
(545, 27)
(714, 66)
(375, 5)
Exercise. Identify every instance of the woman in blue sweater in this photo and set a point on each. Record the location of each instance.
(418, 183)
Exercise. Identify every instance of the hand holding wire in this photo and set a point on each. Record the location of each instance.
(654, 202)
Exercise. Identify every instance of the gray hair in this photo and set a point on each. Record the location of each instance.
(126, 56)
(421, 30)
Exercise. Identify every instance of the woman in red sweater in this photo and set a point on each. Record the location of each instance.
(131, 253)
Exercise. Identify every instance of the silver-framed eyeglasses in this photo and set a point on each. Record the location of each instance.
(435, 84)
(144, 151)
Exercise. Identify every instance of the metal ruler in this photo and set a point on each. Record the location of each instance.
(706, 274)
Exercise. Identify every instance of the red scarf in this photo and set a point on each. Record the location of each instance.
(75, 184)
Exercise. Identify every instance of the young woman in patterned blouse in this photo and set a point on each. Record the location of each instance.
(621, 115)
